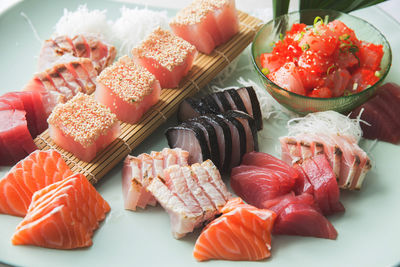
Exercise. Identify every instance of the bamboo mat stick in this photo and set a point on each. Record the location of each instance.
(205, 68)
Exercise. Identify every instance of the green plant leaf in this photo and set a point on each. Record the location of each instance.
(280, 7)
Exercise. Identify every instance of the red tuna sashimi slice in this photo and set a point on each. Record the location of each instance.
(129, 90)
(256, 185)
(38, 170)
(83, 126)
(34, 107)
(243, 232)
(326, 190)
(268, 161)
(303, 184)
(278, 204)
(206, 24)
(15, 138)
(166, 56)
(303, 220)
(62, 215)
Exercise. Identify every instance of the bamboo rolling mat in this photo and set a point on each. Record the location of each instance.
(205, 68)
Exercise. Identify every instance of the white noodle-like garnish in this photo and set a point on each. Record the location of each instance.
(330, 122)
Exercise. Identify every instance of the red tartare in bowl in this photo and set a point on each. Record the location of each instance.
(317, 60)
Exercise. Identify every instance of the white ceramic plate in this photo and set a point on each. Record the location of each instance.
(369, 231)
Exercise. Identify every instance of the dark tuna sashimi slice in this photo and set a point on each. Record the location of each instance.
(212, 104)
(191, 139)
(234, 95)
(15, 138)
(192, 108)
(221, 97)
(381, 113)
(326, 190)
(224, 140)
(252, 104)
(211, 137)
(303, 220)
(238, 139)
(249, 127)
(257, 185)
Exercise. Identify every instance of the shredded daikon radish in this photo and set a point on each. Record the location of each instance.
(325, 122)
(134, 25)
(84, 21)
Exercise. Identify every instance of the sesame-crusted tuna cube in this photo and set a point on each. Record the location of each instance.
(83, 126)
(206, 23)
(167, 56)
(128, 89)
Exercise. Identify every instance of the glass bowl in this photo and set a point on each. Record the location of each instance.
(273, 31)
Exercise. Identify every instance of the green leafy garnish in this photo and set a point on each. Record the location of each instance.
(281, 37)
(317, 21)
(344, 37)
(377, 74)
(281, 7)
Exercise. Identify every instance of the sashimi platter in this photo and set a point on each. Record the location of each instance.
(142, 136)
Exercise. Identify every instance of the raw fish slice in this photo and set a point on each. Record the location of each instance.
(210, 135)
(224, 138)
(138, 172)
(83, 126)
(326, 191)
(208, 185)
(212, 104)
(190, 108)
(223, 99)
(131, 182)
(206, 24)
(249, 127)
(60, 83)
(182, 220)
(227, 21)
(250, 101)
(83, 71)
(15, 138)
(199, 194)
(147, 174)
(39, 169)
(303, 220)
(191, 139)
(62, 215)
(176, 182)
(238, 139)
(69, 78)
(237, 100)
(166, 56)
(129, 90)
(291, 151)
(278, 204)
(265, 160)
(241, 233)
(256, 184)
(303, 184)
(101, 53)
(216, 178)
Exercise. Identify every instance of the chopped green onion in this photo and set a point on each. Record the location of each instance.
(329, 69)
(377, 74)
(326, 19)
(265, 71)
(305, 47)
(281, 36)
(318, 20)
(299, 36)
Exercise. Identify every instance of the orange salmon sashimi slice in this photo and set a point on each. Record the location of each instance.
(36, 171)
(243, 232)
(62, 215)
